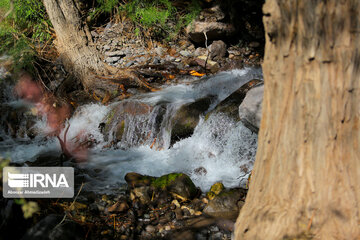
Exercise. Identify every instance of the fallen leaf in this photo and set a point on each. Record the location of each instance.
(196, 74)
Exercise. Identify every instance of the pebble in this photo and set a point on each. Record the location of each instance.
(106, 48)
(115, 54)
(156, 60)
(130, 64)
(112, 59)
(159, 51)
(150, 228)
(185, 53)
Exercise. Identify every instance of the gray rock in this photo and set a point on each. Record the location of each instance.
(115, 54)
(141, 59)
(150, 229)
(217, 50)
(169, 58)
(94, 34)
(156, 60)
(200, 51)
(159, 51)
(250, 109)
(214, 31)
(225, 205)
(106, 48)
(129, 64)
(187, 118)
(185, 53)
(112, 59)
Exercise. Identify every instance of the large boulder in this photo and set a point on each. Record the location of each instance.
(213, 30)
(178, 184)
(250, 109)
(187, 117)
(127, 122)
(217, 50)
(210, 22)
(230, 105)
(226, 204)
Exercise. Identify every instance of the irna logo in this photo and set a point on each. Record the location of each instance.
(38, 182)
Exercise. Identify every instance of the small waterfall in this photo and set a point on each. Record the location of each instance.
(139, 131)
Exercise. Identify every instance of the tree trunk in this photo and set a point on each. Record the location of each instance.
(306, 178)
(78, 54)
(73, 40)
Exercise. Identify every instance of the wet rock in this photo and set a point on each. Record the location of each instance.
(141, 193)
(214, 31)
(178, 184)
(225, 205)
(187, 117)
(122, 115)
(250, 108)
(137, 180)
(217, 50)
(48, 228)
(120, 206)
(215, 189)
(204, 61)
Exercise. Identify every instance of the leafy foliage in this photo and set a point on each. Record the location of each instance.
(25, 29)
(160, 16)
(104, 7)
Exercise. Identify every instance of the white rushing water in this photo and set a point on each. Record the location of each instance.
(220, 149)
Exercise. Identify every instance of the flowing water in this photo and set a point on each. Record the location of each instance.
(220, 149)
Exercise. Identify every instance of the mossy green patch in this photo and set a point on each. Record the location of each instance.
(164, 181)
(120, 130)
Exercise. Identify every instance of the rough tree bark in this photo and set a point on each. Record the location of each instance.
(78, 54)
(306, 178)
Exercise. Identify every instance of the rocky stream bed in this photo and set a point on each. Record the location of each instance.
(168, 164)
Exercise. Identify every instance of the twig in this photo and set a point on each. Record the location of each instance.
(208, 51)
(63, 219)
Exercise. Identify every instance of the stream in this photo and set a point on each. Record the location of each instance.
(216, 151)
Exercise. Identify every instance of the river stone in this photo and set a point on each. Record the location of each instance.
(122, 114)
(134, 179)
(204, 61)
(177, 183)
(250, 108)
(48, 229)
(187, 117)
(112, 59)
(217, 50)
(214, 31)
(225, 205)
(142, 193)
(230, 105)
(115, 54)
